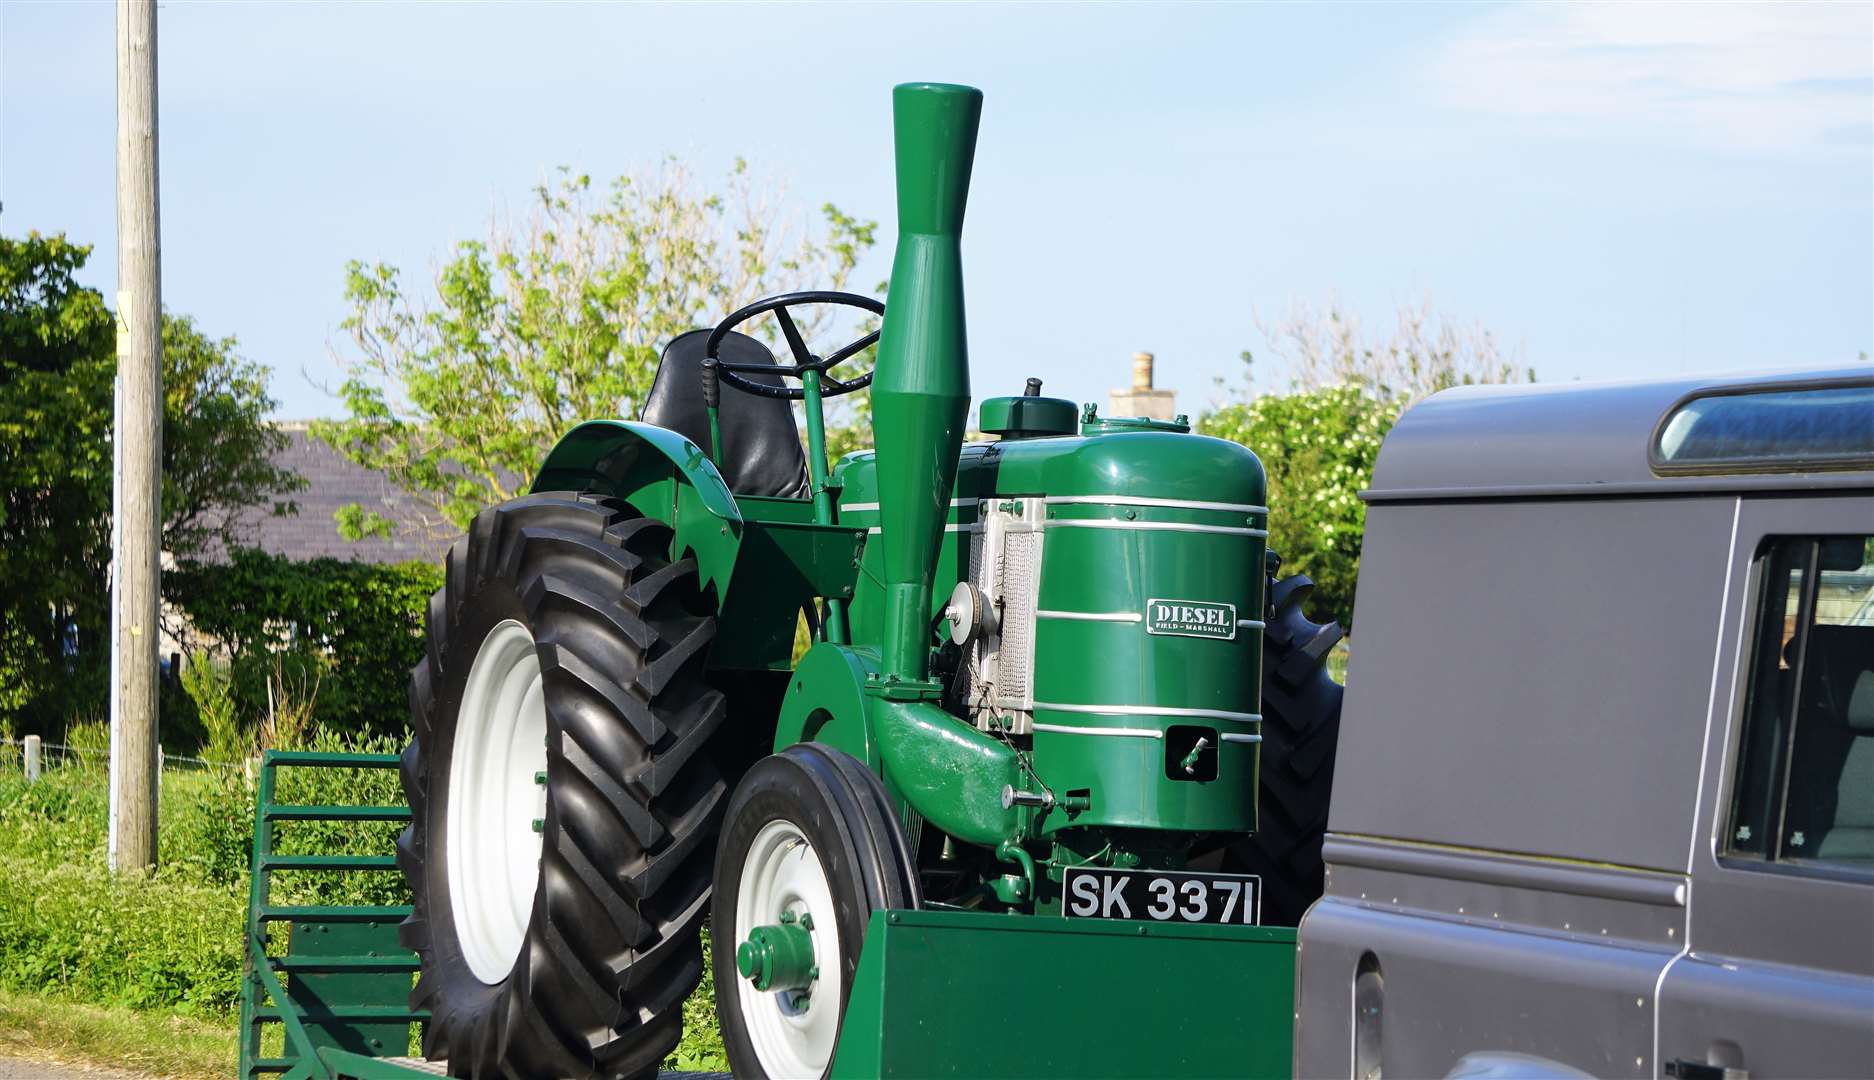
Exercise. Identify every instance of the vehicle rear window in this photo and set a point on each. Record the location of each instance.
(1820, 427)
(1805, 781)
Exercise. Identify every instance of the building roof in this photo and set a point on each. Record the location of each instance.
(1572, 439)
(331, 483)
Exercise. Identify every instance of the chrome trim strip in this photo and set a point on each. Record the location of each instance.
(971, 526)
(1140, 500)
(1163, 526)
(866, 508)
(1251, 624)
(1093, 616)
(1153, 710)
(1237, 736)
(1067, 729)
(1499, 868)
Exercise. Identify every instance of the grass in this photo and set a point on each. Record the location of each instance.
(51, 1029)
(136, 973)
(143, 972)
(701, 1049)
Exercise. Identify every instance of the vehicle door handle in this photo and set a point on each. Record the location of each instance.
(1683, 1069)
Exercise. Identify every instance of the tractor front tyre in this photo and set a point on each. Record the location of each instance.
(1300, 729)
(810, 849)
(564, 807)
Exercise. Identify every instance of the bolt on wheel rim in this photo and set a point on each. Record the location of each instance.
(496, 801)
(792, 1031)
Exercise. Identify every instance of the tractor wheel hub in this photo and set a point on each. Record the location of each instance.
(778, 956)
(784, 920)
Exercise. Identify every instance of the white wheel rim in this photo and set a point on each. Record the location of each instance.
(792, 1033)
(494, 800)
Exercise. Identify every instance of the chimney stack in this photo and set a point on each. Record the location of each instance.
(1143, 399)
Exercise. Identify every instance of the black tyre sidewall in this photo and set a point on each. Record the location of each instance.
(611, 948)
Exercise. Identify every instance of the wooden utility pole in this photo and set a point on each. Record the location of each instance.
(138, 436)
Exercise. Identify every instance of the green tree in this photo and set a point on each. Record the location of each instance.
(553, 321)
(57, 366)
(1318, 447)
(1319, 435)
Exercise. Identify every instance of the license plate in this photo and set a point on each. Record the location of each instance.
(1161, 896)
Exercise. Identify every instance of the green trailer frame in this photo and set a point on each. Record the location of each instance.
(929, 981)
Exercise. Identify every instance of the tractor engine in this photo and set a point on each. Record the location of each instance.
(1103, 619)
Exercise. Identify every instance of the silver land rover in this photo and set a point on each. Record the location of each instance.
(1604, 800)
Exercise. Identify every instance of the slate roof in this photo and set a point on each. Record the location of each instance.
(333, 482)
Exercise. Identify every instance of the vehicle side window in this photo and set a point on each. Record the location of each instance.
(1805, 783)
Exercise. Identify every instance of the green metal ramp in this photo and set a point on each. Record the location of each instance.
(337, 995)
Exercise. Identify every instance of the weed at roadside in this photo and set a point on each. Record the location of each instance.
(174, 1047)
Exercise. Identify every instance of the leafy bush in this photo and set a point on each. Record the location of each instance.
(149, 943)
(343, 635)
(701, 1049)
(1341, 390)
(1318, 448)
(70, 928)
(208, 829)
(61, 818)
(90, 739)
(64, 819)
(207, 681)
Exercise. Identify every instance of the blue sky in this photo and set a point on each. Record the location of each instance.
(1619, 191)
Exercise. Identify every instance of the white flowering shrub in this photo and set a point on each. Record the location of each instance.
(1318, 447)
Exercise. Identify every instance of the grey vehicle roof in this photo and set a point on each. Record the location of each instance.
(1574, 438)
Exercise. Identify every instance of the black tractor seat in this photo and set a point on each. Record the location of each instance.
(761, 452)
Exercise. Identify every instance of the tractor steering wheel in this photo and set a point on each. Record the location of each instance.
(804, 360)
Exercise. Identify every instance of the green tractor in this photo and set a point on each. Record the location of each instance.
(1010, 787)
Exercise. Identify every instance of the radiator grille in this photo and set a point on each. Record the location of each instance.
(1021, 583)
(997, 679)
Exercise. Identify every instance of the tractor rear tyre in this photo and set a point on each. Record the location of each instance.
(809, 850)
(1300, 728)
(564, 807)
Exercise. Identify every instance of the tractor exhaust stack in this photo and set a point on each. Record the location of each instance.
(921, 395)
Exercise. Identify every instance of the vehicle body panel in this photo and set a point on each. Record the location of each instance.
(1508, 651)
(1537, 755)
